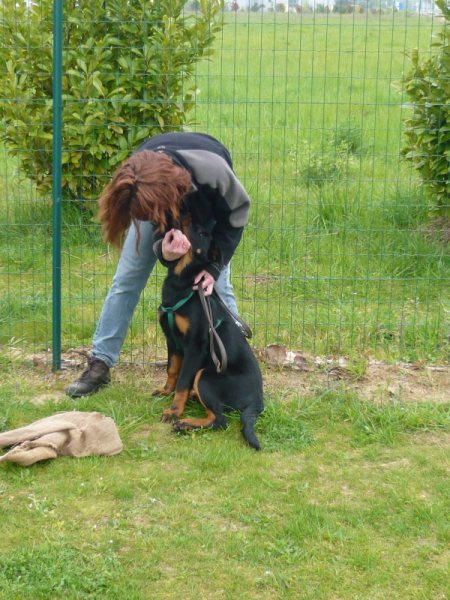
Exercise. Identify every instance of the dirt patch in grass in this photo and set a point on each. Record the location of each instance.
(371, 379)
(407, 383)
(380, 381)
(45, 398)
(284, 371)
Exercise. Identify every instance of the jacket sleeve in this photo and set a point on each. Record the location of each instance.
(230, 202)
(225, 238)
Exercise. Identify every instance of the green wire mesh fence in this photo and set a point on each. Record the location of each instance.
(343, 254)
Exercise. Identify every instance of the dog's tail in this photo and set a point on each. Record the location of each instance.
(248, 420)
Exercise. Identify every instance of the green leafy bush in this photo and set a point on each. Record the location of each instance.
(127, 68)
(427, 130)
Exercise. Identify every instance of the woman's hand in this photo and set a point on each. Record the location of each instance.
(175, 245)
(206, 280)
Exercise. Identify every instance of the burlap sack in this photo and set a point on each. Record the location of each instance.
(71, 433)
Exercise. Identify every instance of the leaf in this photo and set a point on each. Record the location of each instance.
(74, 73)
(81, 63)
(123, 142)
(98, 85)
(160, 120)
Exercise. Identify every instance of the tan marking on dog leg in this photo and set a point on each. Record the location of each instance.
(193, 394)
(196, 423)
(177, 408)
(173, 370)
(195, 387)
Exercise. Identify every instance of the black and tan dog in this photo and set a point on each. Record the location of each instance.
(191, 370)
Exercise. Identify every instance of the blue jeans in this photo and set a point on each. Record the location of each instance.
(133, 271)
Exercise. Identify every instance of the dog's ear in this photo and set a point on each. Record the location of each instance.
(185, 224)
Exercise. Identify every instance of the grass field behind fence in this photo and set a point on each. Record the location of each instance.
(340, 255)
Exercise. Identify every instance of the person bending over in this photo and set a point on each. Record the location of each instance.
(169, 178)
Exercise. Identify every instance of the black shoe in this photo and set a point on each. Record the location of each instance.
(93, 378)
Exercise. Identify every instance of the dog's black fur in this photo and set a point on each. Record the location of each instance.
(190, 370)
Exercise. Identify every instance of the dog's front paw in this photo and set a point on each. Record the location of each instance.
(169, 416)
(162, 391)
(180, 426)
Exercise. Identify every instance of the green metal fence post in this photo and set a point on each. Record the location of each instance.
(56, 183)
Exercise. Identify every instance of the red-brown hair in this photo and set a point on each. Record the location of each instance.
(148, 186)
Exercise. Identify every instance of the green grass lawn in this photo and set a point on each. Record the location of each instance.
(348, 499)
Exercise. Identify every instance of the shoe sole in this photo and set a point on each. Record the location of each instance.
(78, 395)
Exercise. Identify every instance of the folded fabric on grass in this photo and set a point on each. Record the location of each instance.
(72, 433)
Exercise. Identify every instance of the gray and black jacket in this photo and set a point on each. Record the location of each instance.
(218, 201)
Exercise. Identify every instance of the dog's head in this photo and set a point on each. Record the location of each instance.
(200, 239)
(200, 253)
